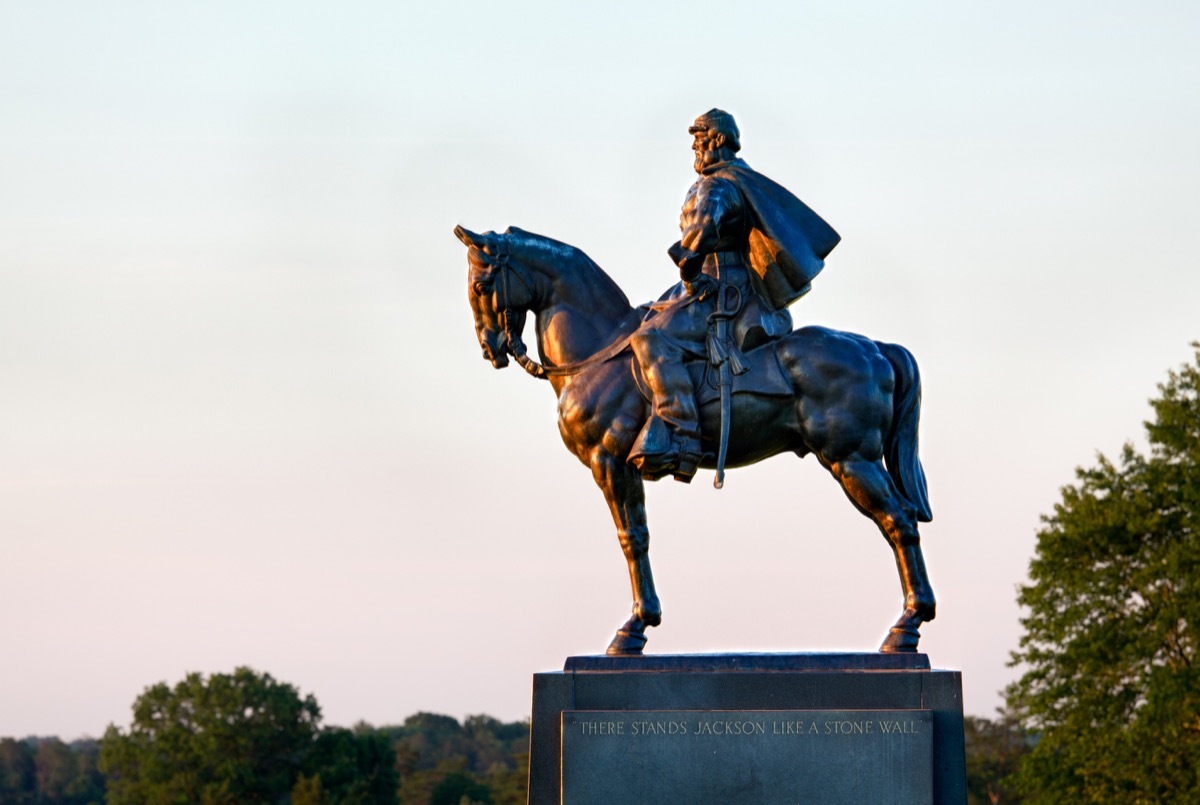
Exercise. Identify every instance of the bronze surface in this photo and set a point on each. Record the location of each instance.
(854, 403)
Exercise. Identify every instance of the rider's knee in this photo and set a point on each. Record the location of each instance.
(646, 340)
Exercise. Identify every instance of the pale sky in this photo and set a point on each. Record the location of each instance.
(244, 420)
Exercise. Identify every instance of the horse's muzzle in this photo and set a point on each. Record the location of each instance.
(497, 357)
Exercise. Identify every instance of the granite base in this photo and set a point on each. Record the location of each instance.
(742, 728)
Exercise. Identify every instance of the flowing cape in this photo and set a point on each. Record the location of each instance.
(788, 242)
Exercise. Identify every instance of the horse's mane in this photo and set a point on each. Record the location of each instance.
(567, 259)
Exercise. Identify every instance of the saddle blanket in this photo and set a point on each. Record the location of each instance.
(765, 377)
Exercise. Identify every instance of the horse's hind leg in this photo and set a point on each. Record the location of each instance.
(870, 488)
(622, 487)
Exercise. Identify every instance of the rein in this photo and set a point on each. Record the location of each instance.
(516, 345)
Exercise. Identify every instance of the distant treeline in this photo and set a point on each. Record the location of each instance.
(430, 759)
(47, 770)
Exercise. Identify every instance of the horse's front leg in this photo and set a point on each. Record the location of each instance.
(622, 487)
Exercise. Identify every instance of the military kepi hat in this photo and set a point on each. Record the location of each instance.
(716, 119)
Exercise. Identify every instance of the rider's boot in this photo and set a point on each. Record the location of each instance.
(670, 440)
(658, 452)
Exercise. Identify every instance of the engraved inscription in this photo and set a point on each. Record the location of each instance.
(680, 757)
(901, 727)
(744, 727)
(602, 727)
(659, 728)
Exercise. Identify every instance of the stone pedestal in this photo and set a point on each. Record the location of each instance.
(747, 728)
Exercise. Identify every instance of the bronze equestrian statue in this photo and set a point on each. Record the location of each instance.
(712, 374)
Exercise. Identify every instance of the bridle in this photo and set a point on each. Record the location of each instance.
(512, 336)
(505, 269)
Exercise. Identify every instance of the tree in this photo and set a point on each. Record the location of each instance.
(1111, 681)
(67, 774)
(354, 767)
(309, 791)
(510, 786)
(993, 750)
(482, 759)
(236, 738)
(56, 769)
(18, 780)
(46, 771)
(460, 788)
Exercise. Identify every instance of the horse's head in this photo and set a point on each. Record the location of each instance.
(492, 293)
(514, 272)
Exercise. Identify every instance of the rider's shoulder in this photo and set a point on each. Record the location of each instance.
(716, 187)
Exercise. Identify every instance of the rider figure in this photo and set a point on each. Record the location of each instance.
(739, 228)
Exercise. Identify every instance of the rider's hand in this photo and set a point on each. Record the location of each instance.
(688, 261)
(678, 254)
(702, 286)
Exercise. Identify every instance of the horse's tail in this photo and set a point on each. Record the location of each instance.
(900, 448)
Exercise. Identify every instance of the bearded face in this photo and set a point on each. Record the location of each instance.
(707, 148)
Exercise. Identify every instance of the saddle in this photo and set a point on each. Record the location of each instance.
(764, 377)
(726, 366)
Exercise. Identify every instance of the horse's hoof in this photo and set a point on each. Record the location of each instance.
(900, 641)
(626, 643)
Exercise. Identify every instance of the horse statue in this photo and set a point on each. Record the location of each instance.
(852, 402)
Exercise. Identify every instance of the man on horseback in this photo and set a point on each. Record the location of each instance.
(742, 231)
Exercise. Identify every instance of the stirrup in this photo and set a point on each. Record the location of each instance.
(657, 452)
(678, 460)
(654, 466)
(686, 466)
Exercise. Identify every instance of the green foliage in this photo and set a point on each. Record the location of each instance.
(354, 767)
(510, 786)
(1111, 681)
(993, 750)
(482, 759)
(427, 739)
(17, 773)
(309, 791)
(240, 738)
(460, 788)
(67, 774)
(46, 771)
(244, 739)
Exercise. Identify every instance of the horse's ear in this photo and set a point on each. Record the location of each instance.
(467, 237)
